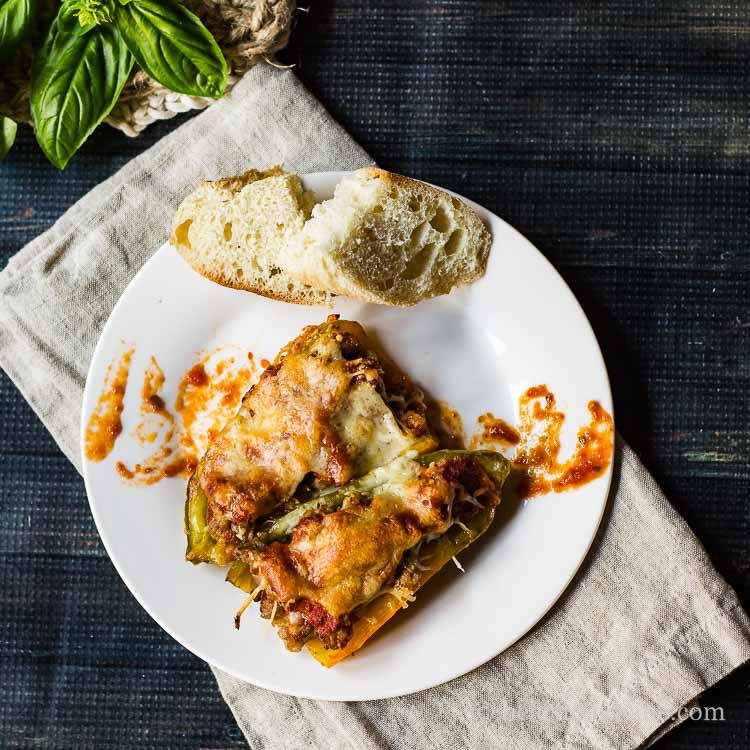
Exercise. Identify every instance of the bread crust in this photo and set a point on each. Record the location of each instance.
(356, 270)
(235, 185)
(263, 291)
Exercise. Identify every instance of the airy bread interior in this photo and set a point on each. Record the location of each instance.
(382, 238)
(233, 231)
(388, 239)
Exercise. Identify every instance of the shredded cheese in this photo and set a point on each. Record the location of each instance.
(247, 603)
(404, 597)
(458, 564)
(273, 614)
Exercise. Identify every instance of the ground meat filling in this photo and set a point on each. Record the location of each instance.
(292, 627)
(334, 632)
(304, 618)
(336, 562)
(471, 482)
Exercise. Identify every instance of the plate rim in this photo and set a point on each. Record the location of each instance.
(382, 695)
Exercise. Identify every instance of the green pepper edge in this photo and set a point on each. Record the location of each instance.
(240, 575)
(494, 464)
(201, 546)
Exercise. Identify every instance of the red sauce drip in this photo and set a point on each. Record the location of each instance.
(196, 376)
(105, 423)
(536, 461)
(264, 363)
(123, 470)
(538, 454)
(156, 421)
(593, 452)
(206, 400)
(183, 466)
(153, 381)
(496, 430)
(209, 393)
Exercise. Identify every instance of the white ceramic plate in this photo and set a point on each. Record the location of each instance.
(479, 349)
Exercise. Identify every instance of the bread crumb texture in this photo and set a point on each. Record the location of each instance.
(389, 239)
(233, 231)
(382, 238)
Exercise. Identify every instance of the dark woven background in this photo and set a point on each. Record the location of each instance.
(614, 135)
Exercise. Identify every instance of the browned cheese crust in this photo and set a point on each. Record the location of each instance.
(318, 412)
(336, 562)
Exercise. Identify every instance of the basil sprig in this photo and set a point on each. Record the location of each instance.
(16, 20)
(76, 80)
(89, 52)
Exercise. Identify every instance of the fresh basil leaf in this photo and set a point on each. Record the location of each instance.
(91, 12)
(7, 135)
(77, 76)
(172, 45)
(69, 19)
(16, 17)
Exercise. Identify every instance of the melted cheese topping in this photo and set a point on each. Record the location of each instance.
(368, 429)
(343, 559)
(310, 412)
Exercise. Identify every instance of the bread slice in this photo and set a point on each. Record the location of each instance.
(389, 239)
(233, 231)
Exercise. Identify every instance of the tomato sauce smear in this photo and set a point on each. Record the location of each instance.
(208, 395)
(536, 462)
(105, 424)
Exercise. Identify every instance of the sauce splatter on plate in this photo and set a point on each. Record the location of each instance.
(211, 390)
(105, 424)
(495, 430)
(537, 441)
(208, 394)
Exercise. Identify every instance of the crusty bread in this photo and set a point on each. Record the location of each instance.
(233, 231)
(382, 238)
(388, 239)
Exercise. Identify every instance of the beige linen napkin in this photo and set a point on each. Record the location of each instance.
(645, 628)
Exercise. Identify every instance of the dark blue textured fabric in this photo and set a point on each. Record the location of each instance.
(614, 135)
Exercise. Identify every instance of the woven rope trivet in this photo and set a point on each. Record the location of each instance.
(246, 31)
